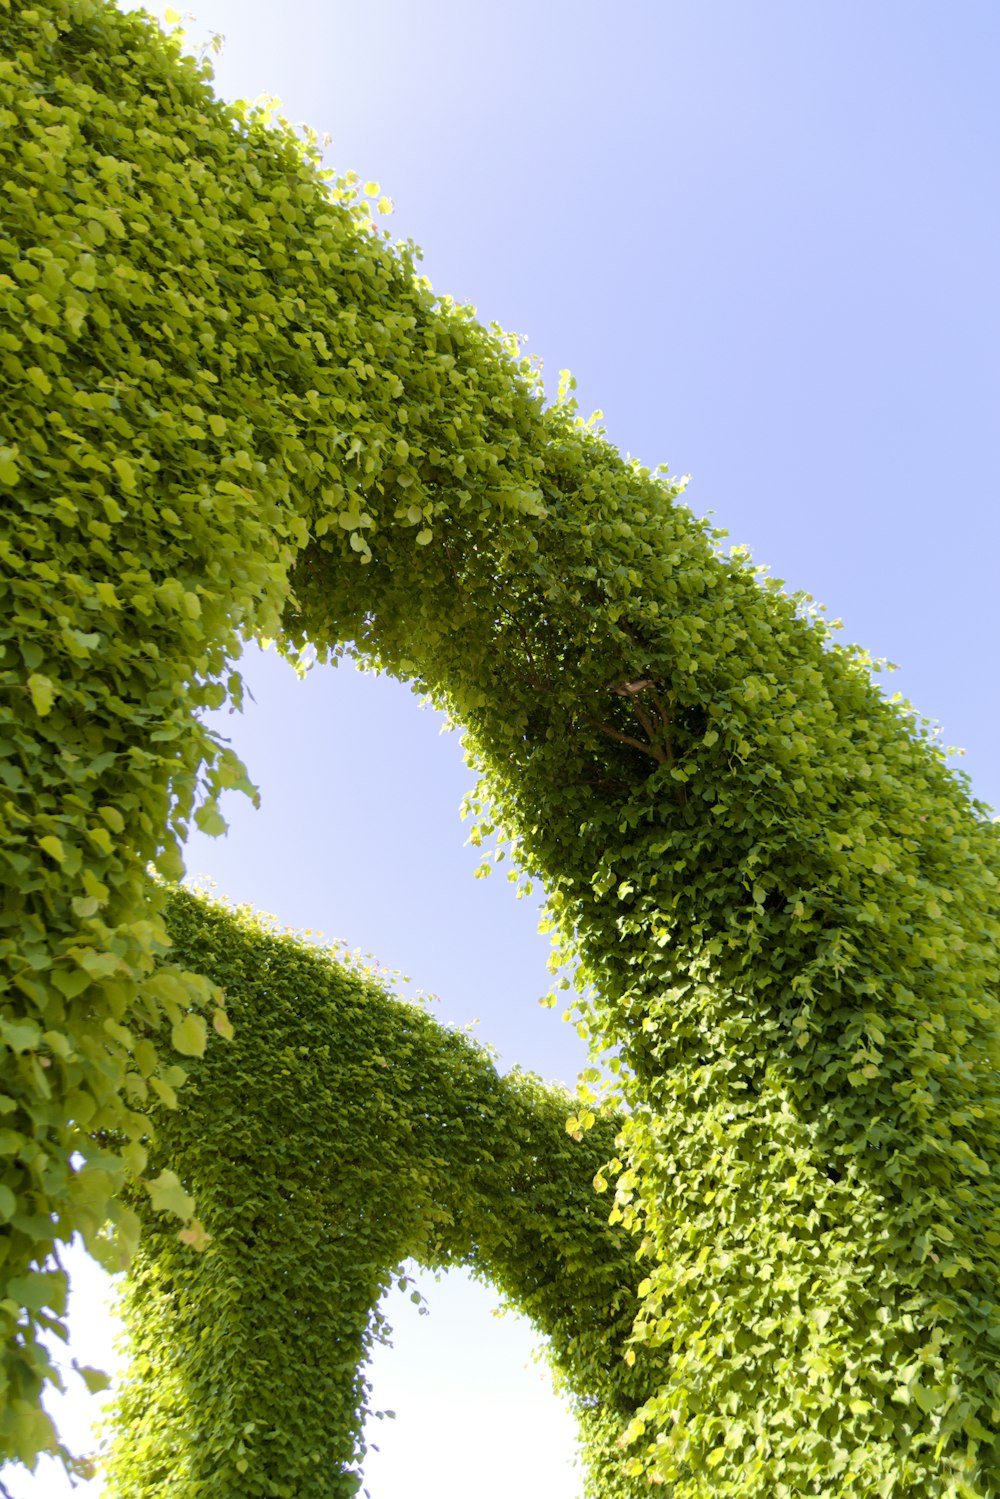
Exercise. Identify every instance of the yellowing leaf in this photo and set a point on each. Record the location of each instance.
(223, 1024)
(195, 1236)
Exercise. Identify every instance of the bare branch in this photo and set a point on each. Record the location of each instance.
(648, 749)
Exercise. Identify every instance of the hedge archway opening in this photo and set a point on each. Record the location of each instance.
(234, 409)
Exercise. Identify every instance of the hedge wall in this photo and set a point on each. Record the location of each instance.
(231, 407)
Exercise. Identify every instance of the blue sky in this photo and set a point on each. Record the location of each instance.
(764, 239)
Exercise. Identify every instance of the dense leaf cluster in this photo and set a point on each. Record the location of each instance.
(230, 406)
(340, 1133)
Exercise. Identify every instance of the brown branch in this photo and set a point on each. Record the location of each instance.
(661, 710)
(644, 719)
(647, 749)
(665, 719)
(664, 755)
(519, 627)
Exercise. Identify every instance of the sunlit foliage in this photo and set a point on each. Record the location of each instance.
(340, 1133)
(232, 408)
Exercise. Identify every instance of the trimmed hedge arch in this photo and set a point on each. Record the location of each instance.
(231, 407)
(341, 1133)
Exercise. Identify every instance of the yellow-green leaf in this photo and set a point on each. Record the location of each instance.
(168, 1196)
(42, 690)
(190, 1036)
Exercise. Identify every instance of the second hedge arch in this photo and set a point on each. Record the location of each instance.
(340, 1133)
(232, 408)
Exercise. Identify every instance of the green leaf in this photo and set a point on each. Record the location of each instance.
(39, 379)
(125, 471)
(168, 1196)
(95, 1379)
(8, 466)
(134, 1155)
(39, 1289)
(929, 1398)
(164, 1092)
(42, 690)
(170, 863)
(190, 1035)
(20, 1035)
(210, 820)
(101, 839)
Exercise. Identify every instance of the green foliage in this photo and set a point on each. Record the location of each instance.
(341, 1132)
(231, 407)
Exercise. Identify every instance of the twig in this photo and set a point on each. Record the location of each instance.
(648, 749)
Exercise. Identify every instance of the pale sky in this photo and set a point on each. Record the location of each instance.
(764, 238)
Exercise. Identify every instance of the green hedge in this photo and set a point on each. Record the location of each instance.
(230, 407)
(339, 1134)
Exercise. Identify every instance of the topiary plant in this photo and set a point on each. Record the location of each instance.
(232, 408)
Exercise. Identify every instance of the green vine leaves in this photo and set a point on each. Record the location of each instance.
(340, 1133)
(231, 407)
